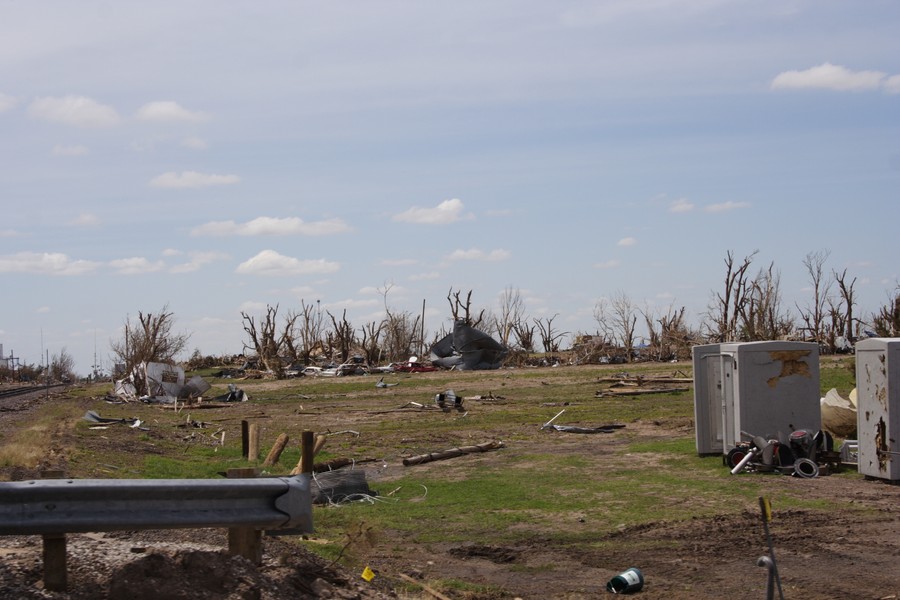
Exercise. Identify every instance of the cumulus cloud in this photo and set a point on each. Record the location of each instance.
(194, 143)
(681, 205)
(352, 303)
(448, 211)
(269, 262)
(136, 265)
(76, 150)
(192, 179)
(198, 260)
(608, 264)
(85, 220)
(7, 102)
(8, 233)
(272, 226)
(726, 206)
(829, 77)
(45, 263)
(627, 241)
(79, 111)
(481, 255)
(166, 110)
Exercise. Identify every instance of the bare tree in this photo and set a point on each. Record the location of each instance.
(463, 311)
(849, 301)
(62, 366)
(886, 320)
(310, 332)
(723, 313)
(814, 315)
(550, 339)
(343, 335)
(524, 334)
(617, 320)
(400, 331)
(371, 341)
(512, 311)
(761, 315)
(150, 339)
(267, 343)
(669, 336)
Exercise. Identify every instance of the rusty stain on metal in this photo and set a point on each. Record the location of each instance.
(792, 363)
(881, 445)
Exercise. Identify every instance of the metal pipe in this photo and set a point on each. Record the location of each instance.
(85, 505)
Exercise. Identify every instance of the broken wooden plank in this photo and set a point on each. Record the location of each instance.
(639, 391)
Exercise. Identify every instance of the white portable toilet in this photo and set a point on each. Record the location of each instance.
(878, 407)
(745, 389)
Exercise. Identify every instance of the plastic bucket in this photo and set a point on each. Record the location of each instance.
(626, 582)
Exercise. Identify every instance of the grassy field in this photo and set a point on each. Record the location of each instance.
(570, 491)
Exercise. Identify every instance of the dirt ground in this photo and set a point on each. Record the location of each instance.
(820, 554)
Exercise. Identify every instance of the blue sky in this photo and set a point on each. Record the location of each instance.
(218, 157)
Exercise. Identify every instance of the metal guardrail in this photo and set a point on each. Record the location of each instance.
(57, 506)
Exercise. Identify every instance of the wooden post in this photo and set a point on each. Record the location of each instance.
(55, 579)
(307, 443)
(253, 442)
(275, 453)
(245, 438)
(245, 541)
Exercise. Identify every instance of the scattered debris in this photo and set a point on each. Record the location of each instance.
(468, 349)
(234, 394)
(346, 485)
(381, 384)
(806, 455)
(639, 391)
(839, 415)
(452, 453)
(576, 429)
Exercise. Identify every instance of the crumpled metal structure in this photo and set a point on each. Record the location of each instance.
(468, 349)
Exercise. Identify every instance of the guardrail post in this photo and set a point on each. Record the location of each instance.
(245, 541)
(54, 549)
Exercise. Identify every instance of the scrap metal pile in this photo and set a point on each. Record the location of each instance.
(806, 455)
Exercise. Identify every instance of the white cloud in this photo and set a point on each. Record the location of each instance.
(448, 211)
(46, 263)
(608, 264)
(194, 143)
(135, 265)
(431, 275)
(272, 226)
(627, 241)
(197, 260)
(163, 111)
(399, 262)
(829, 77)
(8, 233)
(85, 220)
(79, 111)
(42, 310)
(478, 254)
(251, 306)
(76, 150)
(892, 84)
(7, 102)
(726, 206)
(192, 179)
(350, 304)
(269, 262)
(681, 205)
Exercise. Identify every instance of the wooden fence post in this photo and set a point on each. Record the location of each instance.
(55, 579)
(245, 541)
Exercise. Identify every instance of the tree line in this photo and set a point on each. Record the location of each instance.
(749, 306)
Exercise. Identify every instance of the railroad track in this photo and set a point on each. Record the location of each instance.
(15, 398)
